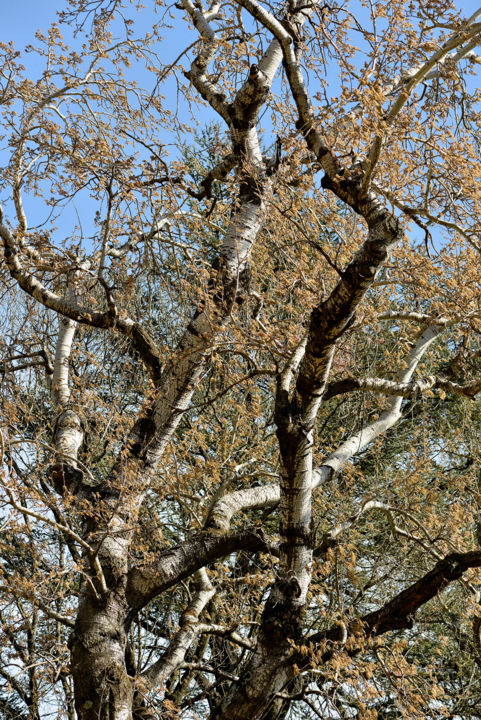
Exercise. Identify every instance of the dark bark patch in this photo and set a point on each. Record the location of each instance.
(296, 536)
(147, 350)
(65, 478)
(143, 433)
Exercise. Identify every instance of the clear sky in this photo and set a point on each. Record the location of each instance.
(22, 18)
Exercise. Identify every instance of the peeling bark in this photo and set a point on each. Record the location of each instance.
(113, 589)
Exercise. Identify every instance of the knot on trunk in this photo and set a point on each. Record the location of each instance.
(65, 478)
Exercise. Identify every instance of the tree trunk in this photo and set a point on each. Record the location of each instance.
(103, 688)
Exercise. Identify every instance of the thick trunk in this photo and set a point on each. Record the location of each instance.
(270, 669)
(103, 688)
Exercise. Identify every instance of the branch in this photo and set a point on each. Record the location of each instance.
(19, 172)
(158, 225)
(220, 516)
(268, 496)
(63, 619)
(182, 561)
(6, 365)
(292, 366)
(202, 667)
(226, 632)
(197, 72)
(68, 622)
(389, 417)
(409, 81)
(10, 710)
(141, 340)
(175, 654)
(405, 390)
(219, 172)
(415, 316)
(425, 213)
(399, 612)
(330, 320)
(305, 122)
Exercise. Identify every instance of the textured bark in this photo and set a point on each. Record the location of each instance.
(159, 671)
(220, 516)
(270, 668)
(268, 496)
(103, 688)
(106, 513)
(405, 390)
(175, 387)
(180, 562)
(399, 612)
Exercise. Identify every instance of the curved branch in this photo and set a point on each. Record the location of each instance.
(268, 496)
(182, 561)
(197, 72)
(174, 656)
(330, 537)
(405, 390)
(143, 343)
(398, 613)
(389, 417)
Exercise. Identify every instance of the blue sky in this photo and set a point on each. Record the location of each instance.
(20, 23)
(24, 17)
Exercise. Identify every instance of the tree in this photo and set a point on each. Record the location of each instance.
(239, 415)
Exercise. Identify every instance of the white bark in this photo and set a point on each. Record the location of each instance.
(174, 656)
(409, 389)
(69, 433)
(264, 496)
(197, 72)
(358, 442)
(267, 496)
(241, 234)
(60, 388)
(68, 429)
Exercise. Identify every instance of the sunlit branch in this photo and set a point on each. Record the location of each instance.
(406, 390)
(197, 73)
(412, 79)
(389, 417)
(266, 496)
(174, 656)
(192, 555)
(142, 341)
